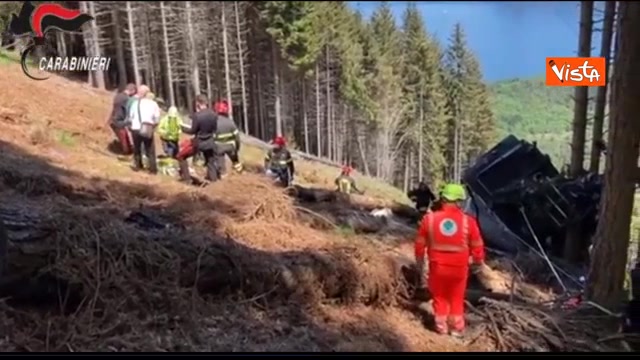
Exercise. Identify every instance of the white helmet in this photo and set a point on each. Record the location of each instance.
(173, 111)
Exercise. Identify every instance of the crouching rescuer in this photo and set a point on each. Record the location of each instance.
(345, 183)
(278, 162)
(449, 237)
(227, 139)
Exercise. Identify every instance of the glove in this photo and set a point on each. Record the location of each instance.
(476, 268)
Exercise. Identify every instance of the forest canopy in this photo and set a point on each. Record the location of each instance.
(381, 94)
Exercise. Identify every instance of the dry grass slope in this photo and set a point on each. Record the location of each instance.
(243, 270)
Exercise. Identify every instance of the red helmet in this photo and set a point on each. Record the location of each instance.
(346, 169)
(279, 140)
(221, 107)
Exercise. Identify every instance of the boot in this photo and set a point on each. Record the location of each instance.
(441, 326)
(456, 326)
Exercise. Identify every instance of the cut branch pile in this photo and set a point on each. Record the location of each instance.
(213, 265)
(519, 327)
(99, 269)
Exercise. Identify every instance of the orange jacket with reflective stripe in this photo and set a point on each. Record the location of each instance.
(449, 236)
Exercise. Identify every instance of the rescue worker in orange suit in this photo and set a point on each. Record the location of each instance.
(345, 183)
(204, 125)
(278, 163)
(227, 139)
(449, 237)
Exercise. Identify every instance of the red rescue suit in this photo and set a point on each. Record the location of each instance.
(449, 237)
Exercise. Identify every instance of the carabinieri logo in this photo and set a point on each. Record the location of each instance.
(36, 21)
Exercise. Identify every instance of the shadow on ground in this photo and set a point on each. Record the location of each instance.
(82, 278)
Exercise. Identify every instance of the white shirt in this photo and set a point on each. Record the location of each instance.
(149, 111)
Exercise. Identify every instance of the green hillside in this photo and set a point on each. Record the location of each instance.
(535, 112)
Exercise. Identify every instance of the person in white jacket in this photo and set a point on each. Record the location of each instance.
(144, 116)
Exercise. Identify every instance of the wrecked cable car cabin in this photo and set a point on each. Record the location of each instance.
(521, 200)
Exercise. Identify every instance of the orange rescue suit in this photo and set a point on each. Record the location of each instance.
(449, 236)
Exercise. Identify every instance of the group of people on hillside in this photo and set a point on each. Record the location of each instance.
(136, 117)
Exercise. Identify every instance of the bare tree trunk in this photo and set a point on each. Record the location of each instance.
(193, 58)
(609, 260)
(305, 118)
(207, 72)
(456, 142)
(601, 96)
(225, 49)
(243, 83)
(276, 87)
(167, 56)
(89, 6)
(150, 77)
(86, 39)
(328, 100)
(574, 243)
(122, 65)
(318, 127)
(421, 137)
(340, 133)
(581, 92)
(261, 115)
(407, 174)
(363, 155)
(132, 43)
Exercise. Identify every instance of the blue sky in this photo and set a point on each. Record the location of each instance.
(511, 39)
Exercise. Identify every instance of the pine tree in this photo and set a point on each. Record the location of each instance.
(424, 89)
(479, 127)
(292, 25)
(455, 78)
(471, 126)
(386, 89)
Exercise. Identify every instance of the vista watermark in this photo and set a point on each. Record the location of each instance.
(576, 71)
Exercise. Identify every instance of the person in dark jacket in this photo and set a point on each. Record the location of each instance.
(422, 197)
(227, 139)
(345, 183)
(278, 163)
(204, 125)
(118, 118)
